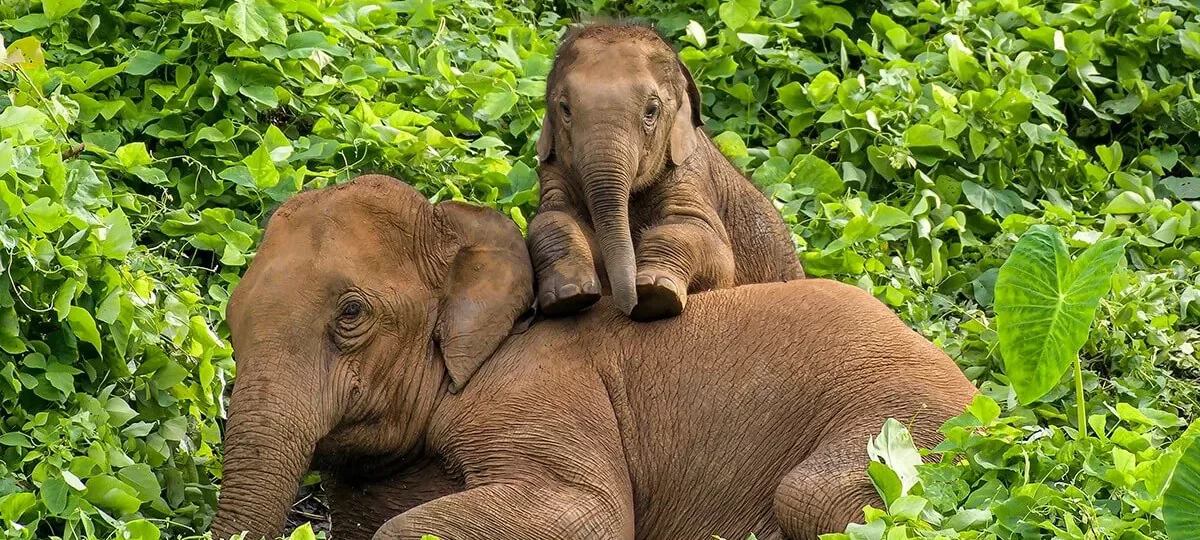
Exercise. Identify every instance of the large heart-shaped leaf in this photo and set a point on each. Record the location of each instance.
(1182, 499)
(1045, 305)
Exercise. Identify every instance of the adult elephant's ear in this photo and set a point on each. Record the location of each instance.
(487, 286)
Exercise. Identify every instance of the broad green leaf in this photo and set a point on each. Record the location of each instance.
(14, 505)
(133, 155)
(142, 479)
(1182, 497)
(252, 20)
(143, 62)
(894, 447)
(111, 494)
(1045, 305)
(262, 168)
(117, 237)
(923, 136)
(736, 13)
(140, 529)
(1185, 187)
(495, 105)
(811, 171)
(47, 216)
(57, 9)
(730, 144)
(84, 326)
(823, 86)
(54, 495)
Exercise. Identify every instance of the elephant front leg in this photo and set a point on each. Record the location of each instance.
(515, 512)
(561, 250)
(682, 254)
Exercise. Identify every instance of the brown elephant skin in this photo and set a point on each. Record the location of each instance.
(635, 199)
(750, 412)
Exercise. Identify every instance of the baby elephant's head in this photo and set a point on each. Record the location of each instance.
(620, 109)
(364, 304)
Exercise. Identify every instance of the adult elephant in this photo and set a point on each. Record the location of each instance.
(367, 310)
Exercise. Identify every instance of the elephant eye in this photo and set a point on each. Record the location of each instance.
(651, 112)
(351, 310)
(566, 110)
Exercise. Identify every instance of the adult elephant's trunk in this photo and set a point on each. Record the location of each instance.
(608, 172)
(270, 439)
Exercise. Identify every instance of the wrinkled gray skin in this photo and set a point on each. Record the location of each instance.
(635, 199)
(750, 412)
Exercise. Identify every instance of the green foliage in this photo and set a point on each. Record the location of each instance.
(1182, 497)
(908, 144)
(1044, 308)
(1000, 477)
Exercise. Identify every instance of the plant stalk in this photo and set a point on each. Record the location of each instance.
(1079, 404)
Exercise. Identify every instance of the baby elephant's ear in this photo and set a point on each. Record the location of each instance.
(687, 119)
(486, 289)
(545, 142)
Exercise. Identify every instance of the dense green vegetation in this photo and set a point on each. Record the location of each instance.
(908, 144)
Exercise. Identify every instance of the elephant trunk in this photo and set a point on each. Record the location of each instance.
(270, 438)
(607, 173)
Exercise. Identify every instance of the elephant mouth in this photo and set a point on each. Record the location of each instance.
(310, 508)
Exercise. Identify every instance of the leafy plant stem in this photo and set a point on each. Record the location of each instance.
(1080, 409)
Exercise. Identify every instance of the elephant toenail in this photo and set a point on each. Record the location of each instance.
(668, 284)
(568, 290)
(645, 280)
(591, 288)
(547, 298)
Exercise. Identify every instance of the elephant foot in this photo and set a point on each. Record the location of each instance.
(568, 299)
(658, 298)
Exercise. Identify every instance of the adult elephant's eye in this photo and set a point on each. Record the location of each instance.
(351, 310)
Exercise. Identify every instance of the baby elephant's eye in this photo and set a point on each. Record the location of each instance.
(566, 110)
(651, 112)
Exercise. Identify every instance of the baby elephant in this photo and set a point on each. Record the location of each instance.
(625, 163)
(374, 342)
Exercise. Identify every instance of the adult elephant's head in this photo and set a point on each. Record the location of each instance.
(364, 304)
(620, 109)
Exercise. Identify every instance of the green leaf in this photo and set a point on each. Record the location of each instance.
(1182, 497)
(57, 9)
(140, 529)
(144, 62)
(894, 447)
(730, 144)
(54, 495)
(252, 20)
(47, 216)
(1045, 305)
(1187, 187)
(133, 155)
(823, 86)
(13, 506)
(811, 171)
(736, 13)
(117, 238)
(84, 326)
(262, 168)
(142, 479)
(495, 105)
(923, 136)
(111, 494)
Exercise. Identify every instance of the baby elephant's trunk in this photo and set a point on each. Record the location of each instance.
(607, 176)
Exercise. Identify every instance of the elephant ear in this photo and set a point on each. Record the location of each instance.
(487, 287)
(545, 142)
(687, 120)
